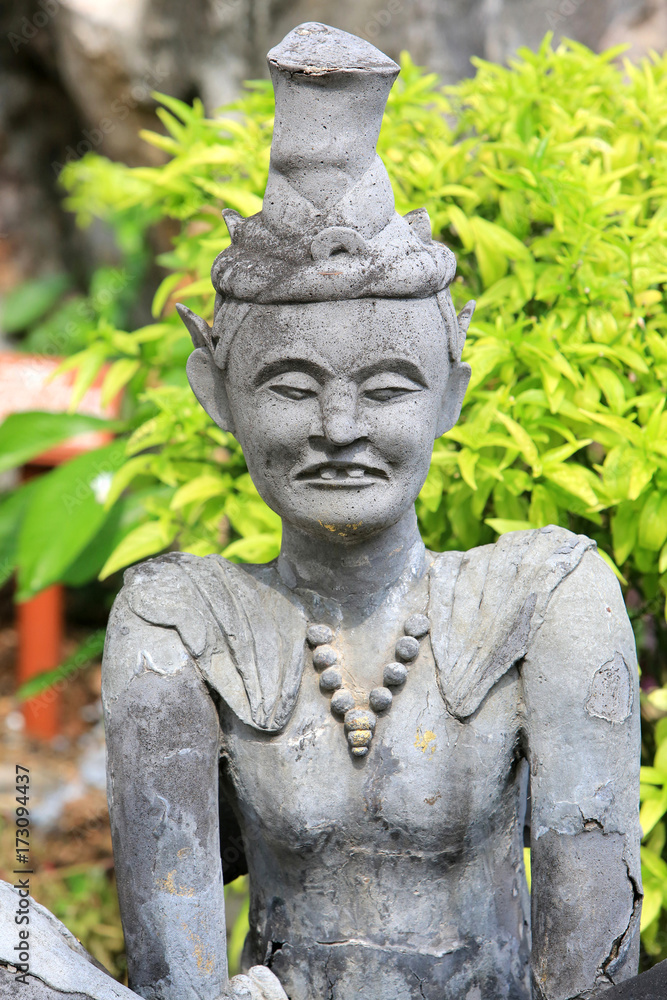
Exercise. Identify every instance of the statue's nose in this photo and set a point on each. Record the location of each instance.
(339, 418)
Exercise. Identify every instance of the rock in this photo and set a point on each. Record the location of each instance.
(642, 26)
(59, 966)
(649, 986)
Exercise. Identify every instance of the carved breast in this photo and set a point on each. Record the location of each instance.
(405, 863)
(427, 778)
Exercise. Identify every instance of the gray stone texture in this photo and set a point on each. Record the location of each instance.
(59, 965)
(651, 985)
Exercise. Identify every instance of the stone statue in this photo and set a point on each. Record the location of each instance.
(357, 723)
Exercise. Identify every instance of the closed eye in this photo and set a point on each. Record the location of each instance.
(387, 386)
(292, 392)
(387, 393)
(294, 385)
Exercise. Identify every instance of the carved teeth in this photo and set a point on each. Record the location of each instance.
(342, 472)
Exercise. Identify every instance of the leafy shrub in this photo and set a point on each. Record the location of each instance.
(547, 179)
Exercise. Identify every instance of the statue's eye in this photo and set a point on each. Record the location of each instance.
(294, 385)
(384, 395)
(292, 392)
(389, 386)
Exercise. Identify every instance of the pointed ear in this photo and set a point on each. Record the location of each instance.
(465, 316)
(455, 390)
(198, 328)
(208, 384)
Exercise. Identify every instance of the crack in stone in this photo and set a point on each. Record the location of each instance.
(605, 972)
(421, 984)
(330, 981)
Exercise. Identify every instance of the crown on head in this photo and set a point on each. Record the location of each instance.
(328, 228)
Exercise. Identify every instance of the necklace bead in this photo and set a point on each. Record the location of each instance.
(342, 701)
(360, 718)
(331, 679)
(394, 674)
(417, 626)
(318, 635)
(359, 737)
(324, 656)
(380, 699)
(407, 648)
(360, 723)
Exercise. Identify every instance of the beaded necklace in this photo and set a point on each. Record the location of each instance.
(360, 722)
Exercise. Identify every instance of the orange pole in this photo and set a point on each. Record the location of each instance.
(40, 634)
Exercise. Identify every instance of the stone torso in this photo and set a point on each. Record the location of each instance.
(398, 875)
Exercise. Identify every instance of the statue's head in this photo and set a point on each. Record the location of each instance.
(335, 351)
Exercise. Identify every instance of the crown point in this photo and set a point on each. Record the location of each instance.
(233, 220)
(318, 49)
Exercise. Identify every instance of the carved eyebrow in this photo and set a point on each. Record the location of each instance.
(396, 366)
(282, 365)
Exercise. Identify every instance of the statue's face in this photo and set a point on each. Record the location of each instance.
(337, 415)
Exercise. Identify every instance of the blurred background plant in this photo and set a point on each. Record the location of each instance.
(548, 180)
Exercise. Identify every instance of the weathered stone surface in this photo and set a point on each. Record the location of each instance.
(381, 850)
(651, 985)
(59, 966)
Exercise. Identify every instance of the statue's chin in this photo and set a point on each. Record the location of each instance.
(342, 519)
(340, 532)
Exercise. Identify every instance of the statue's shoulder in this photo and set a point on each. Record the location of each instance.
(239, 623)
(187, 592)
(163, 592)
(158, 620)
(496, 595)
(583, 658)
(526, 552)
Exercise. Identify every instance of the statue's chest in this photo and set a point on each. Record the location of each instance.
(426, 780)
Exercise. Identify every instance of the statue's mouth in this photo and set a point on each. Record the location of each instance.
(338, 473)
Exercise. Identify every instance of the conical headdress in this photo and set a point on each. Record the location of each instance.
(328, 228)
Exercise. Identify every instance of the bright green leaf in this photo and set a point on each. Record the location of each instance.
(65, 512)
(198, 490)
(23, 436)
(146, 540)
(653, 522)
(117, 377)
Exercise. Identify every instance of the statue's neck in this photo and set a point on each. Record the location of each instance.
(350, 573)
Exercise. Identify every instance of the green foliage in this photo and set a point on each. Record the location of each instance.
(548, 180)
(28, 303)
(25, 435)
(550, 193)
(653, 819)
(237, 906)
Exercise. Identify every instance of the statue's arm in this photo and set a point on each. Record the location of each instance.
(163, 750)
(163, 743)
(581, 702)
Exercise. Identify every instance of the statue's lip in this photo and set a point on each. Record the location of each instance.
(338, 472)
